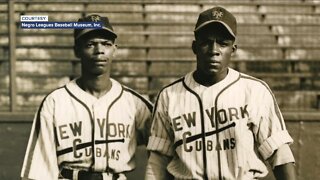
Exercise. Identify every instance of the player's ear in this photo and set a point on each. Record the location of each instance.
(115, 48)
(194, 46)
(234, 49)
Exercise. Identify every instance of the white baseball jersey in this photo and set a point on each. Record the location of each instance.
(219, 132)
(73, 129)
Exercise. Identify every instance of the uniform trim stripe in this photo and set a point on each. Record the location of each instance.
(92, 122)
(146, 102)
(217, 124)
(175, 82)
(107, 122)
(35, 137)
(203, 135)
(276, 108)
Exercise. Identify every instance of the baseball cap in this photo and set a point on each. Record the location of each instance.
(220, 15)
(106, 26)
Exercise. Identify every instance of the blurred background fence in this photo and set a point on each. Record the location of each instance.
(278, 42)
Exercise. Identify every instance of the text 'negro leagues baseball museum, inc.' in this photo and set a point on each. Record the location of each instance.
(41, 22)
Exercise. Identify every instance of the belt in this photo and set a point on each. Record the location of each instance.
(86, 175)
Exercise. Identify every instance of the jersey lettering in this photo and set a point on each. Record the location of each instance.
(228, 144)
(190, 120)
(76, 128)
(233, 112)
(101, 125)
(176, 123)
(63, 132)
(114, 154)
(244, 111)
(118, 130)
(88, 152)
(114, 129)
(75, 154)
(184, 138)
(99, 152)
(224, 115)
(210, 115)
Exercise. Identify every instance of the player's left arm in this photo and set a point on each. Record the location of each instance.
(285, 172)
(272, 136)
(282, 168)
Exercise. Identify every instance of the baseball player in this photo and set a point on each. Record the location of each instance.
(89, 128)
(215, 122)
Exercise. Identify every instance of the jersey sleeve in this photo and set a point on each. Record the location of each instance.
(40, 161)
(269, 128)
(283, 155)
(157, 167)
(161, 138)
(143, 119)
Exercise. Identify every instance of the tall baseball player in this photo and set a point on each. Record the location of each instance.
(89, 128)
(215, 122)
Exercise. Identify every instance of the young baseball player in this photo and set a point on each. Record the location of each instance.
(215, 122)
(89, 128)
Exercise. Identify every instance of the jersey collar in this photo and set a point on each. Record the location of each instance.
(87, 98)
(192, 84)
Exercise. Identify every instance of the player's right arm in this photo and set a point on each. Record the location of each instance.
(40, 161)
(160, 142)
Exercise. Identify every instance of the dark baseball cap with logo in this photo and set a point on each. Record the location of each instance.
(106, 27)
(217, 15)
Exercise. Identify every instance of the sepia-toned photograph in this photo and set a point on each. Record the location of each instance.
(159, 89)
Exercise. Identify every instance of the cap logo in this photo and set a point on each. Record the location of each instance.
(95, 18)
(217, 14)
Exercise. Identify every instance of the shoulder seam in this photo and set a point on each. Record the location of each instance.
(277, 110)
(257, 80)
(157, 99)
(64, 86)
(253, 79)
(173, 83)
(144, 100)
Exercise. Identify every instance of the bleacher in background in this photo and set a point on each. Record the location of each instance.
(278, 42)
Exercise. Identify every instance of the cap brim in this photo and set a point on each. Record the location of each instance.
(212, 21)
(85, 31)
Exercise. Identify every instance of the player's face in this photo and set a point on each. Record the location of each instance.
(96, 53)
(214, 48)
